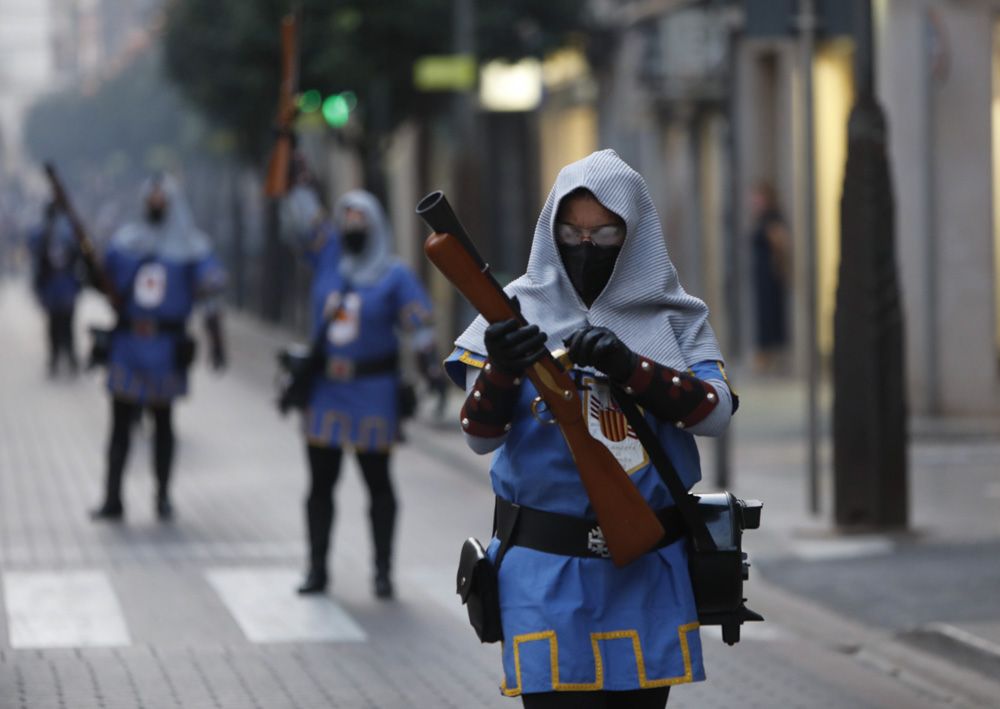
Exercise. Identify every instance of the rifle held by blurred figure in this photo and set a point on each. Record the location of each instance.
(279, 163)
(95, 272)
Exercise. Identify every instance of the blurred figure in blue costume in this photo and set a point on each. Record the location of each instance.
(55, 260)
(160, 265)
(362, 297)
(578, 631)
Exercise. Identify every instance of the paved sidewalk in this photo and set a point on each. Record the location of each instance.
(203, 610)
(936, 586)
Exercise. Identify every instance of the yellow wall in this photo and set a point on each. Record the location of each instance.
(567, 134)
(833, 94)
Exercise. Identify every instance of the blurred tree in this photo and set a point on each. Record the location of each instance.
(224, 54)
(115, 131)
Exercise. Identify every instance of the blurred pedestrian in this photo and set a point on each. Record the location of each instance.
(599, 281)
(55, 265)
(161, 265)
(362, 297)
(771, 246)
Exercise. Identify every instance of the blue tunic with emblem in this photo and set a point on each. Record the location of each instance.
(577, 624)
(143, 366)
(358, 323)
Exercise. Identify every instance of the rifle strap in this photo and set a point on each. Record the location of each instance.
(685, 502)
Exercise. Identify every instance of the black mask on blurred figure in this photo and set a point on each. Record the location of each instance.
(354, 240)
(155, 215)
(589, 267)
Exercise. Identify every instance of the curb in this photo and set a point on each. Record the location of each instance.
(955, 645)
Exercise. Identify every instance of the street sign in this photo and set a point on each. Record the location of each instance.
(445, 72)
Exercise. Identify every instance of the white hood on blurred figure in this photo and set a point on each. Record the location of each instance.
(376, 257)
(176, 238)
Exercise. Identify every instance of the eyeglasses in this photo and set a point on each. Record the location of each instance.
(605, 235)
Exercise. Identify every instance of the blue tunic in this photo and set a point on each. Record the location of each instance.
(579, 624)
(360, 412)
(143, 368)
(61, 285)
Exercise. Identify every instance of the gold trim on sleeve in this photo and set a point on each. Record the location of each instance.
(473, 360)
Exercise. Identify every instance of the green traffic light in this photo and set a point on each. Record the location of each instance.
(337, 108)
(310, 101)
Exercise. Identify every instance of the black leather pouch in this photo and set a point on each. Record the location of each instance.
(478, 588)
(406, 400)
(185, 349)
(100, 347)
(299, 368)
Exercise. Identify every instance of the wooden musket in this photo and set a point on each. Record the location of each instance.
(98, 275)
(280, 160)
(629, 525)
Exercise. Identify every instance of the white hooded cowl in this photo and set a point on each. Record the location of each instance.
(375, 259)
(643, 302)
(176, 238)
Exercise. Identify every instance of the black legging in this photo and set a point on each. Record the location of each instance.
(123, 415)
(60, 331)
(324, 469)
(637, 699)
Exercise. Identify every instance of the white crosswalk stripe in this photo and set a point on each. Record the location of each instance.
(261, 602)
(47, 609)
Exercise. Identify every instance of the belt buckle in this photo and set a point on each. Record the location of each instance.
(596, 543)
(340, 368)
(145, 327)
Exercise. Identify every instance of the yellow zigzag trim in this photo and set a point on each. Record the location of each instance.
(471, 359)
(598, 683)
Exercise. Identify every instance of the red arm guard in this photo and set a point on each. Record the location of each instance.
(670, 395)
(489, 408)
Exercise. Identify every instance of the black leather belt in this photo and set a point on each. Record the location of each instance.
(150, 327)
(515, 525)
(343, 368)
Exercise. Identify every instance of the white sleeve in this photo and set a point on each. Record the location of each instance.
(715, 423)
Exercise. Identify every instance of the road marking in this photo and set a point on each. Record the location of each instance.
(263, 602)
(850, 548)
(63, 609)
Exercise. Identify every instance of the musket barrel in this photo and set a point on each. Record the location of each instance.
(437, 213)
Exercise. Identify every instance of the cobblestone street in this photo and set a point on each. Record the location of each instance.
(200, 612)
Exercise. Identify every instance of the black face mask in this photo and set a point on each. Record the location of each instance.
(155, 215)
(589, 268)
(354, 240)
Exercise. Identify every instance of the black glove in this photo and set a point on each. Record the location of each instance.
(600, 348)
(513, 347)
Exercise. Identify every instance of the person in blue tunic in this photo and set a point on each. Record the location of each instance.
(578, 631)
(159, 267)
(362, 299)
(55, 260)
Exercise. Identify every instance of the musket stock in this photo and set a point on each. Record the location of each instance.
(630, 528)
(98, 275)
(280, 160)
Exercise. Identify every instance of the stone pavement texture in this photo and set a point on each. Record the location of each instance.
(239, 487)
